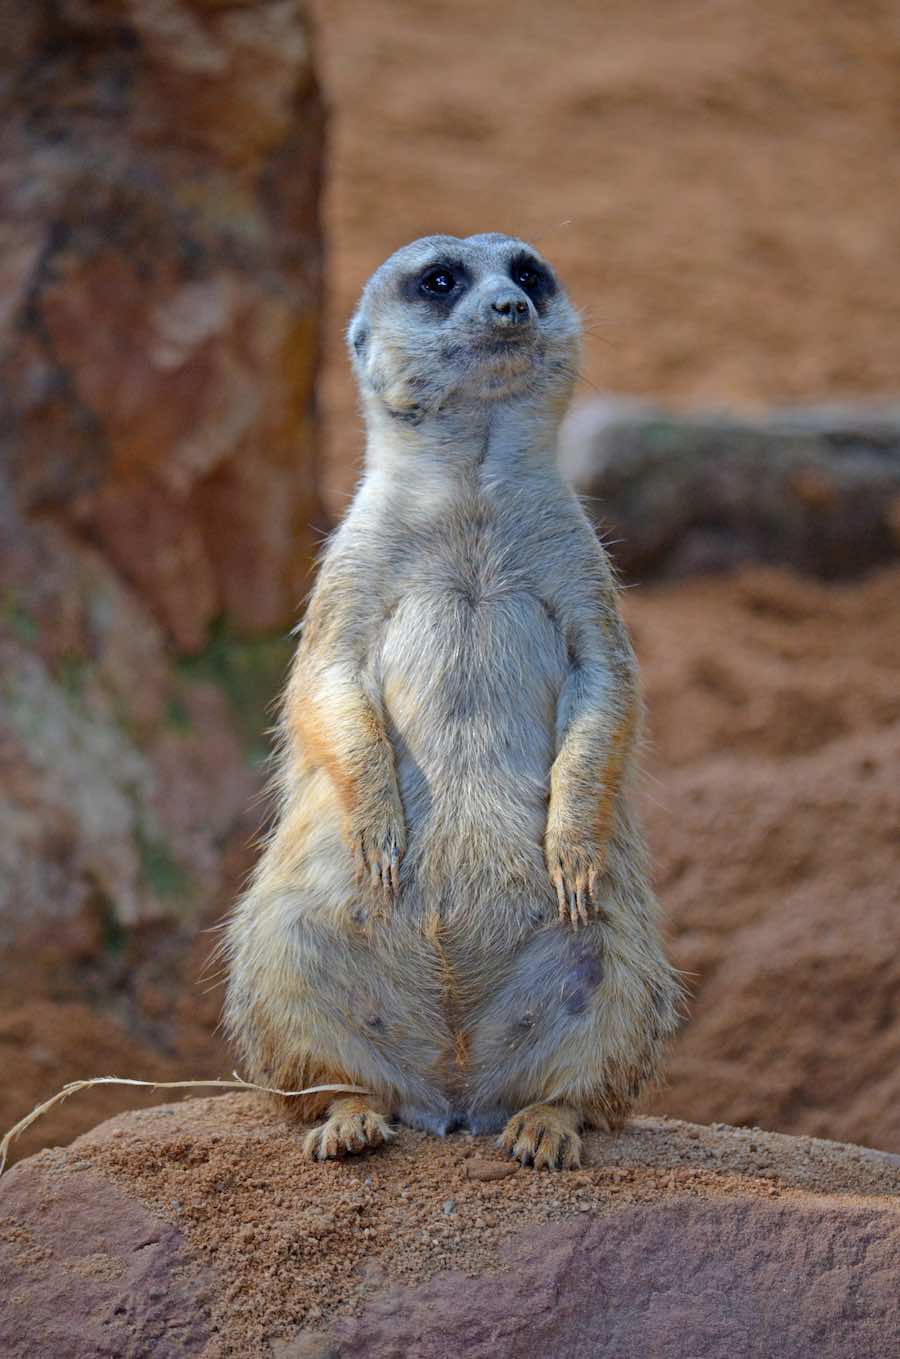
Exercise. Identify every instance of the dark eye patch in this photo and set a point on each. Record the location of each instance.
(534, 278)
(440, 284)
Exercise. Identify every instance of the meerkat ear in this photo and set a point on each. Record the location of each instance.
(358, 337)
(379, 369)
(364, 355)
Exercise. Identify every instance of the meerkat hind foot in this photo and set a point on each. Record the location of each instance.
(352, 1126)
(545, 1136)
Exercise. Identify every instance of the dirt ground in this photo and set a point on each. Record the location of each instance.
(773, 805)
(717, 182)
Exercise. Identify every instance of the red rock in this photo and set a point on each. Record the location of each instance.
(481, 1169)
(200, 1229)
(162, 272)
(159, 303)
(118, 1282)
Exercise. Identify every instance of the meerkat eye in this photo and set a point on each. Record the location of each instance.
(438, 282)
(527, 277)
(534, 278)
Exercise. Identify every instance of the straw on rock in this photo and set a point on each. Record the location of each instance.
(237, 1083)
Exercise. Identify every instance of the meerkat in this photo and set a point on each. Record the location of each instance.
(453, 910)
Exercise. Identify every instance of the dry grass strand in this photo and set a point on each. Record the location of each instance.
(237, 1083)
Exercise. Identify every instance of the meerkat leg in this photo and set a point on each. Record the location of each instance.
(545, 1136)
(601, 710)
(354, 1124)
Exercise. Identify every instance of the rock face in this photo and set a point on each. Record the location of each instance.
(816, 488)
(198, 1229)
(158, 497)
(160, 186)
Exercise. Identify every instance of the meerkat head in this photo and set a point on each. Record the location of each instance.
(448, 320)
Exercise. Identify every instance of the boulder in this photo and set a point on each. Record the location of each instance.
(199, 1229)
(816, 488)
(160, 293)
(158, 209)
(158, 491)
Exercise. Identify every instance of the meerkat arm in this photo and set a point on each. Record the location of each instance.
(333, 721)
(597, 722)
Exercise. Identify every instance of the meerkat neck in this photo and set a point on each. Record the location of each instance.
(501, 436)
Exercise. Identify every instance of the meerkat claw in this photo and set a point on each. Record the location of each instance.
(544, 1136)
(346, 1132)
(390, 874)
(380, 866)
(561, 896)
(576, 882)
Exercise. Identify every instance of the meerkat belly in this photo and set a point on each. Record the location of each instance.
(470, 683)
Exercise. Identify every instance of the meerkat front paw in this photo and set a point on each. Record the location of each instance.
(379, 843)
(575, 872)
(545, 1136)
(352, 1126)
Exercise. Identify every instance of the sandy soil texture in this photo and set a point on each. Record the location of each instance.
(773, 807)
(716, 181)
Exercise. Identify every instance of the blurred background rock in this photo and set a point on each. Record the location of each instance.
(717, 183)
(161, 306)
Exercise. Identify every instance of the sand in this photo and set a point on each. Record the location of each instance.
(773, 809)
(718, 182)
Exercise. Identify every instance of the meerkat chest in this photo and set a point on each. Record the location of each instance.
(481, 553)
(471, 637)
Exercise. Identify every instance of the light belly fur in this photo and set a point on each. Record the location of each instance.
(470, 684)
(470, 688)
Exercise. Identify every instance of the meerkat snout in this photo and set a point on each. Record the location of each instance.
(509, 311)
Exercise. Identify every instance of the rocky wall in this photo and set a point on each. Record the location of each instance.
(160, 289)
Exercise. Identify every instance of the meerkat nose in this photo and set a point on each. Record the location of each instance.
(509, 309)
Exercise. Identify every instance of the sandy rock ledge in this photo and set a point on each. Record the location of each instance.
(197, 1229)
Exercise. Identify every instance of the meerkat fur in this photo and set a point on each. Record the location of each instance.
(453, 908)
